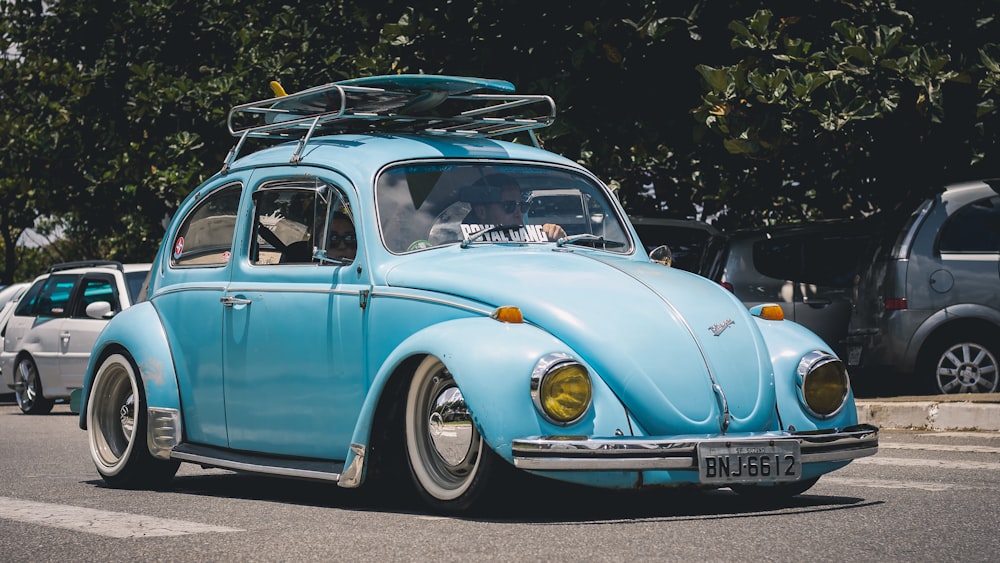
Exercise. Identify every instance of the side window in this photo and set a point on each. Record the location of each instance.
(52, 298)
(206, 236)
(973, 229)
(779, 258)
(297, 221)
(26, 307)
(93, 290)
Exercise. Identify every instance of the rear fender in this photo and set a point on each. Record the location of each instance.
(492, 363)
(148, 348)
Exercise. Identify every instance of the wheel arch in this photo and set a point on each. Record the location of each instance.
(494, 379)
(936, 329)
(147, 348)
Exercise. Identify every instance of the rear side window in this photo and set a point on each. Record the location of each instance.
(827, 260)
(974, 229)
(50, 300)
(206, 236)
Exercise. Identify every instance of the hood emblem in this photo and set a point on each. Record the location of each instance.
(719, 328)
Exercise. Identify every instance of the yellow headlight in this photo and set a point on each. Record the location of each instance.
(824, 383)
(561, 389)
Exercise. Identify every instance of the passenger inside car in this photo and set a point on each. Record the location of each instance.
(342, 241)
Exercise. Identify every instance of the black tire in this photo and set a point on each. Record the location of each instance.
(774, 493)
(449, 462)
(28, 388)
(963, 363)
(116, 429)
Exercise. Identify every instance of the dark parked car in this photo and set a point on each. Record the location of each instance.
(810, 270)
(689, 240)
(930, 302)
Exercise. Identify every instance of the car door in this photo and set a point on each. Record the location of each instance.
(40, 327)
(188, 303)
(293, 340)
(79, 332)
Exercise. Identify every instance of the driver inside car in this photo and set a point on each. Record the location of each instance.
(496, 200)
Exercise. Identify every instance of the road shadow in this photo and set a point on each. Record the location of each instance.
(542, 501)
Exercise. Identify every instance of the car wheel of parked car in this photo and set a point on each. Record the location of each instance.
(964, 363)
(116, 428)
(28, 389)
(776, 492)
(448, 459)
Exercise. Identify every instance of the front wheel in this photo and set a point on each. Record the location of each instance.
(28, 389)
(449, 461)
(966, 363)
(116, 429)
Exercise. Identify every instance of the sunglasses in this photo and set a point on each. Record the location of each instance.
(509, 206)
(349, 239)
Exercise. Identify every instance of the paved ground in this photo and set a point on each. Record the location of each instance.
(935, 412)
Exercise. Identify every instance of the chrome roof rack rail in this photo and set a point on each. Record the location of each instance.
(340, 107)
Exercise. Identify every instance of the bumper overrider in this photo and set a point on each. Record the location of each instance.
(645, 453)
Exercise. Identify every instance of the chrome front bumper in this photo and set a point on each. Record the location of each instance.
(642, 453)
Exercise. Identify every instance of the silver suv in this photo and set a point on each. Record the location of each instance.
(810, 270)
(47, 342)
(930, 303)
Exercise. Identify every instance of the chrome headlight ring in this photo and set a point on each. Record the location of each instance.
(561, 389)
(823, 384)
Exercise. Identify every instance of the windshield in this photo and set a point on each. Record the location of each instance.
(432, 204)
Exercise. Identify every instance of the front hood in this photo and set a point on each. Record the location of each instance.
(658, 336)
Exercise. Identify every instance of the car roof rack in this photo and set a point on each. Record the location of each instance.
(86, 264)
(416, 103)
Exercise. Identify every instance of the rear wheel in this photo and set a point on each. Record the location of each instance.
(116, 429)
(28, 388)
(449, 461)
(965, 363)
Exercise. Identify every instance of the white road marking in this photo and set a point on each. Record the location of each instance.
(939, 448)
(100, 522)
(935, 463)
(890, 484)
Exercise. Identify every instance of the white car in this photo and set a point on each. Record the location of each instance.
(47, 340)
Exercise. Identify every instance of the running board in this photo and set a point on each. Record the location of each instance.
(208, 456)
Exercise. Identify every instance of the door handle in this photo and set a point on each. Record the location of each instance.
(231, 301)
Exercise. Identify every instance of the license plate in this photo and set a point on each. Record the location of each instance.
(854, 355)
(749, 462)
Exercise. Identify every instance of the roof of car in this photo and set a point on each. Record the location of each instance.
(83, 266)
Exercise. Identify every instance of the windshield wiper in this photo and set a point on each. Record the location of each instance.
(467, 241)
(588, 239)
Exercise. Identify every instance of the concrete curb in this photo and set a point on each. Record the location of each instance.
(930, 414)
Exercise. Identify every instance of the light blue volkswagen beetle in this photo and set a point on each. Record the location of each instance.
(393, 287)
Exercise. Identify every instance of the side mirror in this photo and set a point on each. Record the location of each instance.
(662, 255)
(99, 310)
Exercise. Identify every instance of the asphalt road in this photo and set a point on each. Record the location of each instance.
(927, 496)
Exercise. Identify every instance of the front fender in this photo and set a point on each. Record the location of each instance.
(787, 342)
(148, 347)
(492, 363)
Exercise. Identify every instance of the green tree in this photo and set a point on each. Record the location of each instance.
(751, 112)
(857, 108)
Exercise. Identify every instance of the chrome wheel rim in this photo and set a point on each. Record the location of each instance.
(443, 444)
(967, 367)
(26, 386)
(111, 414)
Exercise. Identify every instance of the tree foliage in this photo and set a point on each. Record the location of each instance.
(747, 112)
